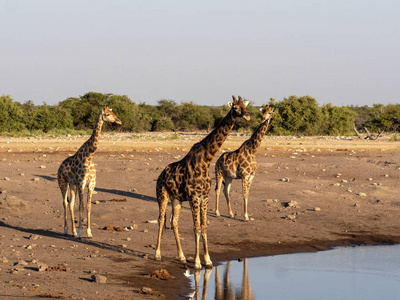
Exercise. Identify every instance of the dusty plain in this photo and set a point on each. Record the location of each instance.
(309, 194)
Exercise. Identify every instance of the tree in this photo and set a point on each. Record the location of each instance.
(11, 115)
(337, 120)
(297, 115)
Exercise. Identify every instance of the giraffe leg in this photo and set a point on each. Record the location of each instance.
(162, 205)
(207, 274)
(81, 209)
(218, 178)
(71, 208)
(176, 209)
(91, 186)
(246, 182)
(195, 206)
(64, 193)
(227, 188)
(203, 222)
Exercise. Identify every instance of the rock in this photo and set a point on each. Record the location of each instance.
(317, 209)
(36, 179)
(291, 217)
(99, 278)
(43, 167)
(21, 262)
(362, 194)
(33, 237)
(285, 179)
(41, 267)
(152, 222)
(6, 179)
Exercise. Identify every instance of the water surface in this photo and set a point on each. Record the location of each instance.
(365, 272)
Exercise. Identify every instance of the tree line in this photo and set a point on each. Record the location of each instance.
(293, 116)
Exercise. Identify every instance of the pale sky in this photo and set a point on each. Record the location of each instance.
(343, 52)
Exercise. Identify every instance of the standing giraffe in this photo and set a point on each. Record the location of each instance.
(188, 180)
(241, 164)
(78, 170)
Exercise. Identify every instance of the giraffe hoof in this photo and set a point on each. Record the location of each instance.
(217, 213)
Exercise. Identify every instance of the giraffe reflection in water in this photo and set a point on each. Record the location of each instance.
(223, 290)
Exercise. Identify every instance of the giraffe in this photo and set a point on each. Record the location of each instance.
(78, 171)
(188, 180)
(241, 164)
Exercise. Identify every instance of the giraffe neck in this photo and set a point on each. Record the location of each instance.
(91, 144)
(213, 142)
(254, 142)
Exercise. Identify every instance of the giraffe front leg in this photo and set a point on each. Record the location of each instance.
(195, 206)
(81, 209)
(91, 186)
(203, 222)
(246, 189)
(89, 209)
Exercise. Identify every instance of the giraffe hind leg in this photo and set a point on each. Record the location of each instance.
(176, 208)
(219, 180)
(71, 205)
(162, 198)
(64, 193)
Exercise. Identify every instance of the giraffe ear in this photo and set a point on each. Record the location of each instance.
(245, 102)
(234, 99)
(110, 109)
(230, 103)
(261, 109)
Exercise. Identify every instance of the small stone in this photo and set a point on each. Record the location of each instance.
(43, 167)
(42, 267)
(6, 179)
(362, 194)
(317, 209)
(128, 239)
(33, 237)
(146, 290)
(99, 278)
(21, 263)
(36, 179)
(152, 222)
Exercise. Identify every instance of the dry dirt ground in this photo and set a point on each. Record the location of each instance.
(308, 194)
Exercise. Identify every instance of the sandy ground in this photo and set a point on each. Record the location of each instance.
(308, 194)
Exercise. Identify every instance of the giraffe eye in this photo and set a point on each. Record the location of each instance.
(106, 115)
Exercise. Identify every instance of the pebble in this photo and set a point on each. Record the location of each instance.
(362, 194)
(317, 209)
(99, 278)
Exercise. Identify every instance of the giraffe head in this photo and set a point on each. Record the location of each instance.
(238, 108)
(267, 112)
(109, 116)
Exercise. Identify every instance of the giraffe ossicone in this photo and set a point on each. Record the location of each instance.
(189, 180)
(78, 171)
